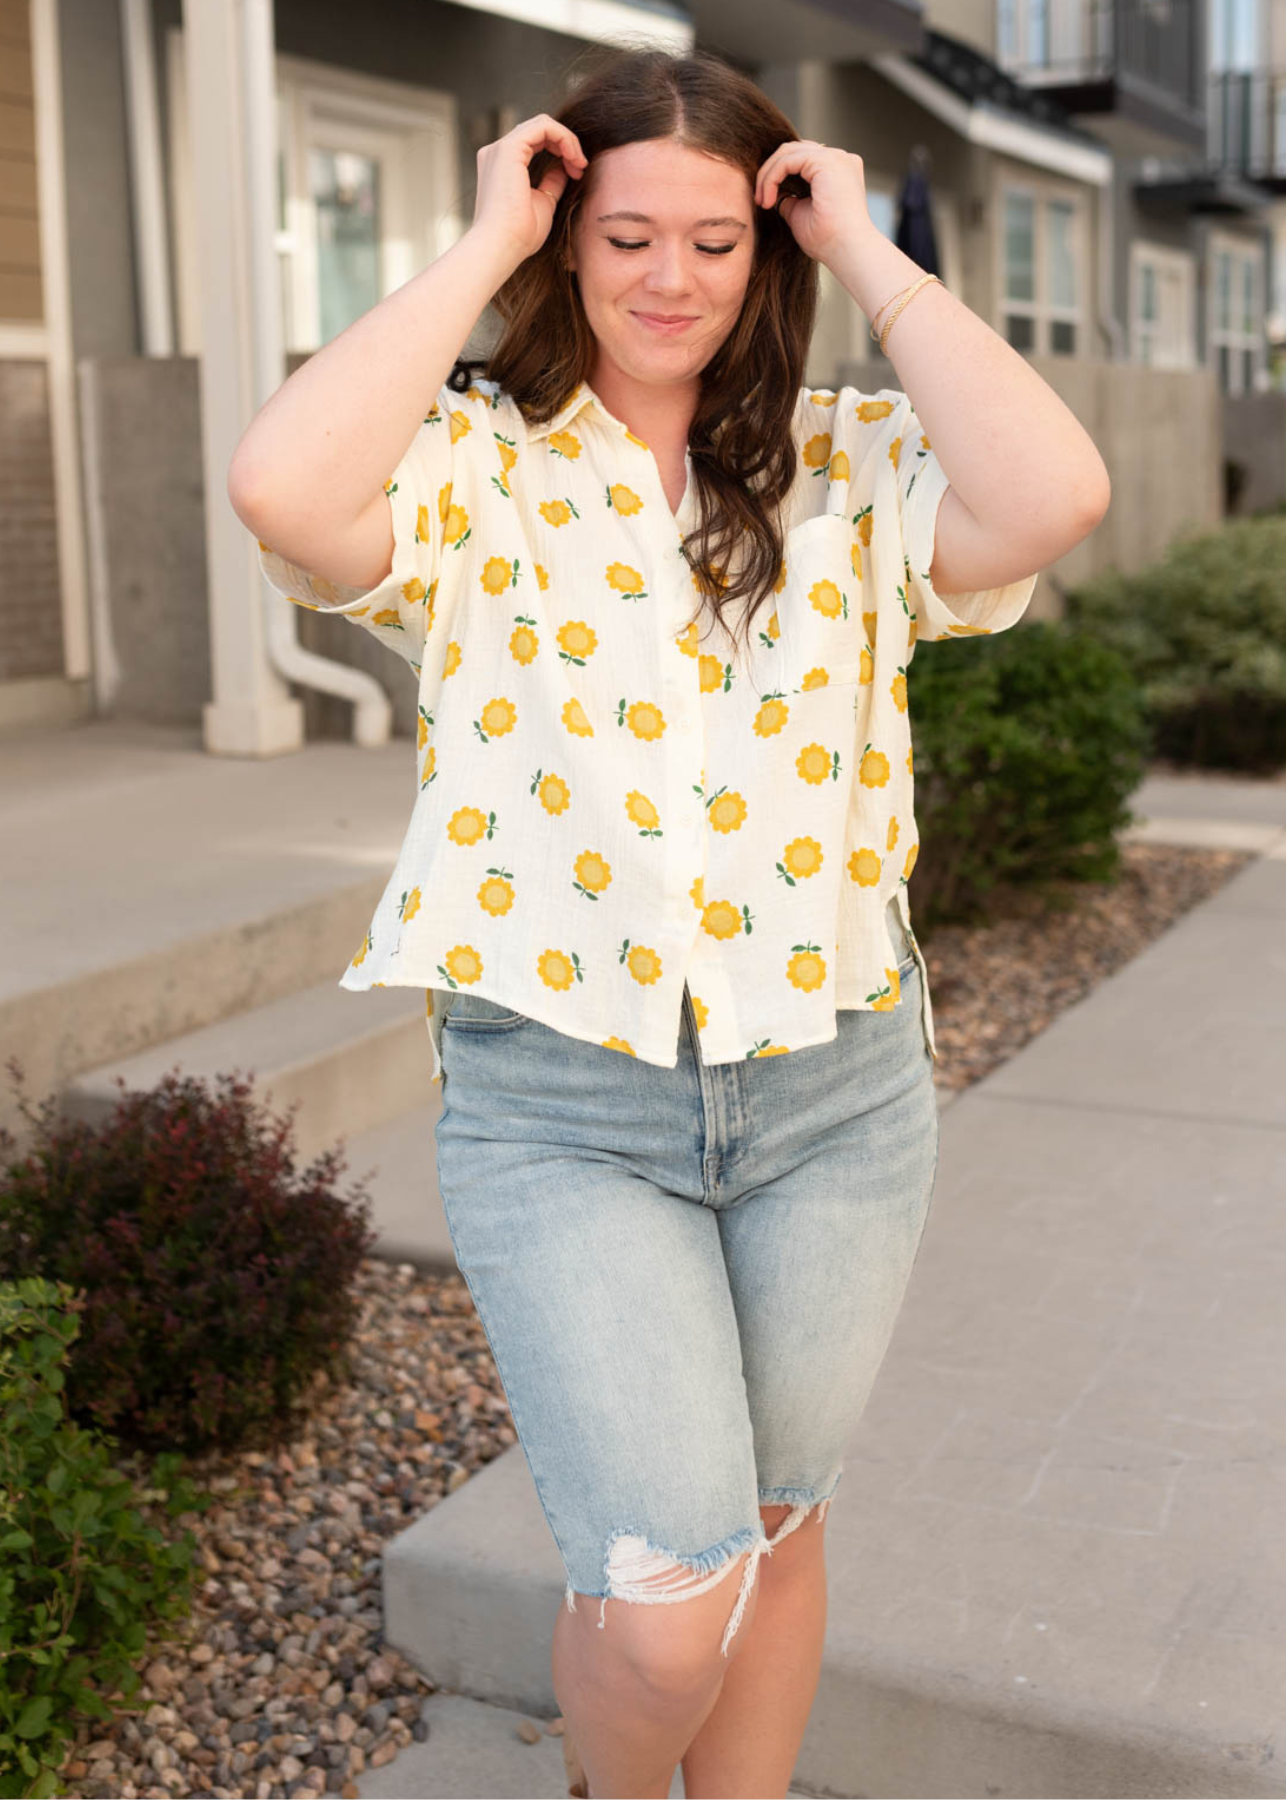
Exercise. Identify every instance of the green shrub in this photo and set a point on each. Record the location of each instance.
(1204, 633)
(217, 1282)
(81, 1568)
(1026, 748)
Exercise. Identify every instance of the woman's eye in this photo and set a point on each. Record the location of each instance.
(709, 249)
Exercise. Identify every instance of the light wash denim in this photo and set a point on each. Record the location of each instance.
(688, 1277)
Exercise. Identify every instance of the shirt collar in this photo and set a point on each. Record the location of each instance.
(581, 397)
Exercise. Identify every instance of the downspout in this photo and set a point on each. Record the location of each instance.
(1109, 324)
(373, 711)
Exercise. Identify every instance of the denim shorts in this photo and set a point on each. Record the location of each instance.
(688, 1277)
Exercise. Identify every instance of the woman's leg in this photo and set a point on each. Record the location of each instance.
(635, 1695)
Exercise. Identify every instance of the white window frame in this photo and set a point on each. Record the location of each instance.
(1177, 270)
(1241, 253)
(414, 131)
(1041, 310)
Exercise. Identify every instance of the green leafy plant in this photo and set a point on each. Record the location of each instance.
(1204, 634)
(217, 1281)
(82, 1569)
(1027, 746)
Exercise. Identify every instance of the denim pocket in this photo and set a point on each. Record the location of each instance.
(475, 1012)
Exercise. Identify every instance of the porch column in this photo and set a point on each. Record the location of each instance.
(228, 54)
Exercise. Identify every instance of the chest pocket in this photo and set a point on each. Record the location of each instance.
(819, 611)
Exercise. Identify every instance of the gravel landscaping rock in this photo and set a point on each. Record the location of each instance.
(280, 1682)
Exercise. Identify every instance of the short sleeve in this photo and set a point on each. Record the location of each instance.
(921, 482)
(419, 495)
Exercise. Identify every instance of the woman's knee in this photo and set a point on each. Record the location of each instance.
(675, 1631)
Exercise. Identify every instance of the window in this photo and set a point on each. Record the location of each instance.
(1161, 307)
(1235, 332)
(1042, 249)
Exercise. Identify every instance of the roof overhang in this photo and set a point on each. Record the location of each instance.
(596, 20)
(777, 31)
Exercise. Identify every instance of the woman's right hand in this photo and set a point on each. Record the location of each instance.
(508, 209)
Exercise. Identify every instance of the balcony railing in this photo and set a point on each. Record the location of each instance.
(1246, 132)
(1072, 42)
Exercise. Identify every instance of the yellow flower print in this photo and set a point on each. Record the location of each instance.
(697, 893)
(641, 812)
(970, 630)
(498, 573)
(593, 874)
(626, 581)
(839, 466)
(801, 857)
(823, 396)
(636, 440)
(463, 964)
(456, 529)
(422, 724)
(874, 770)
(824, 597)
(524, 641)
(817, 452)
(767, 1049)
(467, 825)
(451, 661)
(893, 834)
(421, 524)
(564, 443)
(573, 717)
(864, 867)
(712, 674)
(644, 718)
(576, 641)
(542, 576)
(771, 716)
(897, 687)
(895, 451)
(815, 762)
(700, 1011)
(865, 521)
(855, 557)
(643, 963)
(496, 895)
(624, 499)
(884, 1000)
(508, 455)
(815, 678)
(368, 943)
(925, 442)
(910, 767)
(428, 769)
(868, 411)
(688, 638)
(909, 864)
(388, 615)
(910, 642)
(869, 622)
(720, 918)
(553, 792)
(774, 627)
(866, 668)
(409, 905)
(461, 425)
(726, 811)
(615, 1043)
(556, 512)
(806, 969)
(558, 970)
(499, 717)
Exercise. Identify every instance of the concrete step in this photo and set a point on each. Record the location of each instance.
(474, 1750)
(352, 1062)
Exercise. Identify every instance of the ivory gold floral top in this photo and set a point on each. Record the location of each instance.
(614, 797)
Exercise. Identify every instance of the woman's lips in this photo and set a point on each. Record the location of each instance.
(667, 327)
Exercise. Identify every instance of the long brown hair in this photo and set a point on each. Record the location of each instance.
(740, 440)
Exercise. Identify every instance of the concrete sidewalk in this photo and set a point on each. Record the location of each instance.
(1056, 1559)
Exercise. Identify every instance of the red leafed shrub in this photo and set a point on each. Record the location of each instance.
(217, 1280)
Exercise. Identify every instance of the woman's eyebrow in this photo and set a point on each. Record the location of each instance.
(643, 219)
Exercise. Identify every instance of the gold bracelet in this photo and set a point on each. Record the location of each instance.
(908, 291)
(908, 296)
(879, 309)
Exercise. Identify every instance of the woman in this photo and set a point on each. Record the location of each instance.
(688, 1257)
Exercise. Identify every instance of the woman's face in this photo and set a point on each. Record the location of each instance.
(662, 232)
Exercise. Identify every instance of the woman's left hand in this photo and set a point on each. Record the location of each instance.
(835, 211)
